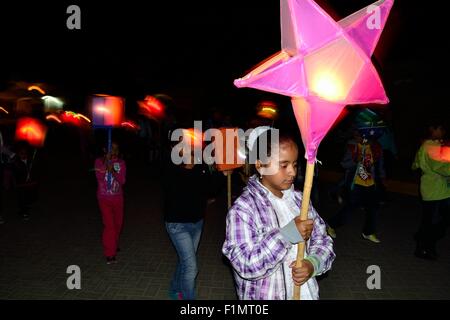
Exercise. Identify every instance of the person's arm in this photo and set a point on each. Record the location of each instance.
(99, 170)
(254, 252)
(348, 160)
(416, 164)
(442, 168)
(120, 175)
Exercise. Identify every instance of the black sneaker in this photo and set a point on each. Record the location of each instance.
(111, 260)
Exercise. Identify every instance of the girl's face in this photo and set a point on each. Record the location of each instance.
(284, 167)
(437, 133)
(115, 150)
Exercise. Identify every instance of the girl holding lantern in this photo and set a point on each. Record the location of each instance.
(264, 228)
(110, 199)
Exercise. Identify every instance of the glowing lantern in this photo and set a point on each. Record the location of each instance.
(129, 125)
(31, 131)
(152, 107)
(107, 111)
(268, 110)
(52, 104)
(37, 88)
(324, 65)
(70, 117)
(229, 153)
(192, 138)
(52, 117)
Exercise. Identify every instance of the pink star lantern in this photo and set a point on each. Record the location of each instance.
(324, 65)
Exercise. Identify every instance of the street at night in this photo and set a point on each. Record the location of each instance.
(110, 188)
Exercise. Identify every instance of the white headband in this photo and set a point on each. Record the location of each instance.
(255, 134)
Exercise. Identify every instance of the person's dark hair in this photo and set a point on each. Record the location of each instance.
(433, 124)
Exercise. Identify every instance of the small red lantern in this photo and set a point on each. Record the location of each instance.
(229, 153)
(32, 131)
(152, 108)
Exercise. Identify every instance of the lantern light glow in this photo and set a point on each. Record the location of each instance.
(32, 131)
(30, 88)
(53, 117)
(327, 86)
(151, 107)
(107, 111)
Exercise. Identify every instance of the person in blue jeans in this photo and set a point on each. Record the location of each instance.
(186, 190)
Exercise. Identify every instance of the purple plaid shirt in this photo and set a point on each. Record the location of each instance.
(257, 249)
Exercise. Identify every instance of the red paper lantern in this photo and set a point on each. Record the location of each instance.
(230, 154)
(32, 131)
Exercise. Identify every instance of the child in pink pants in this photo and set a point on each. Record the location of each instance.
(110, 199)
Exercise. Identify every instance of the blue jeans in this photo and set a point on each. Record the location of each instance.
(185, 238)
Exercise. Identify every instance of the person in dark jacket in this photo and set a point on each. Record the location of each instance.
(26, 182)
(186, 191)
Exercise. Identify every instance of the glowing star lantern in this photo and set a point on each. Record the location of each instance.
(107, 111)
(324, 65)
(31, 131)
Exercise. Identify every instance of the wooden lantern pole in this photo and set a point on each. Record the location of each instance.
(309, 175)
(229, 188)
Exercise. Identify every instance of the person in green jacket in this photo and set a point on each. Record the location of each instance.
(434, 190)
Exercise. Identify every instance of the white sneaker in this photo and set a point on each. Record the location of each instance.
(371, 237)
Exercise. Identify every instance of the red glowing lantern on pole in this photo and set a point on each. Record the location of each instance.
(107, 112)
(229, 154)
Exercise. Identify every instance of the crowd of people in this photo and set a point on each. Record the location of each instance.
(263, 227)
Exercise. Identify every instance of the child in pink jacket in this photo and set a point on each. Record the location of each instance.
(110, 199)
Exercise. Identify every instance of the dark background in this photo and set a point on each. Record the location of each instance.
(193, 50)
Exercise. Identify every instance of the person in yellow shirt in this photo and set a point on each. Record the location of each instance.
(431, 159)
(364, 163)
